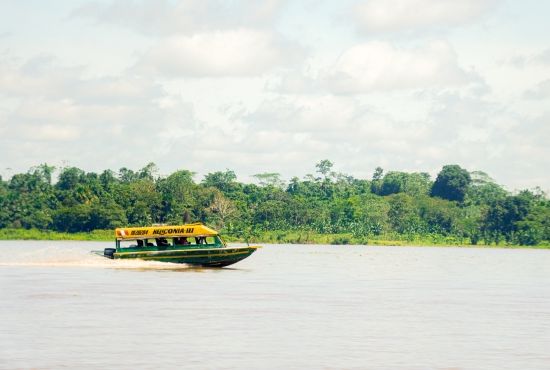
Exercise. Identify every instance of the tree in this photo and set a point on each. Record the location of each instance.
(535, 227)
(73, 219)
(221, 180)
(324, 167)
(148, 172)
(371, 214)
(223, 209)
(45, 172)
(178, 193)
(451, 183)
(108, 180)
(505, 215)
(331, 203)
(106, 214)
(393, 183)
(417, 183)
(403, 215)
(69, 178)
(401, 182)
(126, 175)
(270, 179)
(439, 216)
(378, 174)
(376, 183)
(483, 189)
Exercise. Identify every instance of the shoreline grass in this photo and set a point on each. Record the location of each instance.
(277, 237)
(34, 234)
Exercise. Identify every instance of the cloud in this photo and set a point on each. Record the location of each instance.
(541, 58)
(164, 17)
(306, 129)
(408, 15)
(539, 92)
(295, 81)
(379, 66)
(241, 52)
(200, 38)
(55, 113)
(41, 77)
(458, 127)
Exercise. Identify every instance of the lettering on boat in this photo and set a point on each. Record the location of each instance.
(138, 232)
(172, 231)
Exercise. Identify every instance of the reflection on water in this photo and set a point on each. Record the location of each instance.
(286, 306)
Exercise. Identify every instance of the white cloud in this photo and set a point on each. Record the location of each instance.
(163, 17)
(461, 128)
(375, 66)
(541, 58)
(407, 15)
(406, 105)
(540, 91)
(242, 52)
(309, 128)
(294, 82)
(40, 77)
(56, 114)
(52, 132)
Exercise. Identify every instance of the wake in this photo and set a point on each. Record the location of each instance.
(76, 257)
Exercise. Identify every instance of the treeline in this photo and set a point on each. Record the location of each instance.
(394, 205)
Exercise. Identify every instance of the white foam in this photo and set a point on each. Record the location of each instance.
(53, 256)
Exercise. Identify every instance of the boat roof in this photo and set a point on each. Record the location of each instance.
(196, 229)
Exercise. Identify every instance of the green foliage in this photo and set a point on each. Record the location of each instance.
(223, 181)
(402, 182)
(451, 183)
(324, 167)
(270, 179)
(332, 208)
(403, 215)
(519, 218)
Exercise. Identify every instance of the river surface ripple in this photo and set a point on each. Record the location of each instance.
(285, 307)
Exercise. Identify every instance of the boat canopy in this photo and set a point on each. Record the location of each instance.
(196, 229)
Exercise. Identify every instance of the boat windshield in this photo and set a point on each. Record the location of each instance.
(170, 242)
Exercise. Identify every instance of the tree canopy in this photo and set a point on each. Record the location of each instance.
(394, 204)
(451, 183)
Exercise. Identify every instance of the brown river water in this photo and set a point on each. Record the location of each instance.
(285, 307)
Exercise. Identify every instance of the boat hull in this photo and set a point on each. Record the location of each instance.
(210, 257)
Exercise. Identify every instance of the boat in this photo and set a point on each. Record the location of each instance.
(193, 244)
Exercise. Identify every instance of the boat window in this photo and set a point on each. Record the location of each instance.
(129, 243)
(162, 242)
(183, 240)
(211, 240)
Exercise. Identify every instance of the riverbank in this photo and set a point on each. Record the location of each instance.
(34, 234)
(435, 240)
(277, 237)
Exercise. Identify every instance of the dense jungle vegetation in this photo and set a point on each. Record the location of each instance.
(458, 207)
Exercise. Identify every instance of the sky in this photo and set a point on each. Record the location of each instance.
(277, 86)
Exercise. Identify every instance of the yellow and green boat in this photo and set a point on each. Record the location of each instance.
(193, 244)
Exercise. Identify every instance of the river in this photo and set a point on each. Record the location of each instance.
(285, 307)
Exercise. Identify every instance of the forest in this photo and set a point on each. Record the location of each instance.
(457, 207)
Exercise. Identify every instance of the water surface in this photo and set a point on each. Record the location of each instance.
(286, 306)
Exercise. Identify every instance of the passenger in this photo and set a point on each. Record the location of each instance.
(162, 242)
(198, 239)
(140, 243)
(184, 241)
